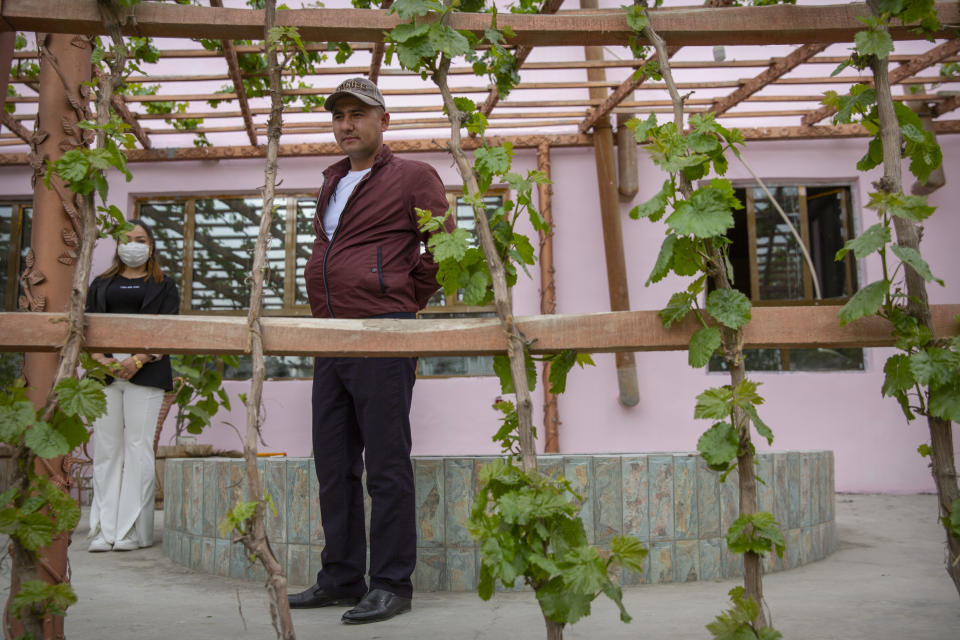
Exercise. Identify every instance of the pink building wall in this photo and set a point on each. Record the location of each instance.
(875, 449)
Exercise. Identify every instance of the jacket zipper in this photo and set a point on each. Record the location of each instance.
(326, 288)
(383, 286)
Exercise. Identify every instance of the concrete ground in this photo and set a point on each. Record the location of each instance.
(886, 582)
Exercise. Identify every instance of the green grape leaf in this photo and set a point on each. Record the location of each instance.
(35, 530)
(628, 552)
(913, 258)
(945, 401)
(501, 366)
(655, 207)
(719, 446)
(934, 366)
(662, 267)
(864, 302)
(15, 418)
(450, 246)
(82, 397)
(757, 532)
(35, 592)
(911, 208)
(729, 307)
(714, 403)
(873, 43)
(897, 375)
(677, 308)
(703, 344)
(873, 239)
(759, 424)
(706, 215)
(560, 604)
(46, 442)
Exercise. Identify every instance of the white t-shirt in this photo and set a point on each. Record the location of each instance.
(331, 217)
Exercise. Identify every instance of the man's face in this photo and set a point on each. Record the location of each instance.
(358, 129)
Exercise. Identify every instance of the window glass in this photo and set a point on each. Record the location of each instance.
(7, 274)
(306, 207)
(225, 234)
(14, 243)
(769, 267)
(779, 259)
(213, 275)
(442, 366)
(166, 220)
(277, 368)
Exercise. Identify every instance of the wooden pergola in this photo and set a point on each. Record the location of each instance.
(770, 93)
(761, 69)
(577, 78)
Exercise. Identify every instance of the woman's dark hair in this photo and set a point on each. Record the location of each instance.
(153, 262)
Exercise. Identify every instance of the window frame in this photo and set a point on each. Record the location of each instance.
(290, 307)
(11, 296)
(849, 224)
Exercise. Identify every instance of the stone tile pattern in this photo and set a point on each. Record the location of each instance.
(673, 503)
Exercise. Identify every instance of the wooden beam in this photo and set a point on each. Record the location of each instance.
(627, 87)
(521, 53)
(7, 120)
(946, 106)
(901, 73)
(777, 24)
(233, 67)
(780, 67)
(376, 54)
(795, 327)
(433, 145)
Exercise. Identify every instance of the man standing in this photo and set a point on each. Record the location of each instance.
(367, 263)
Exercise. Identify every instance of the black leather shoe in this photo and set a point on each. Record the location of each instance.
(317, 597)
(377, 605)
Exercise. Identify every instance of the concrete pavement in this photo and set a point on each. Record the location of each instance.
(886, 582)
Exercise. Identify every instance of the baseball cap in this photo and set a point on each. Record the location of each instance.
(360, 88)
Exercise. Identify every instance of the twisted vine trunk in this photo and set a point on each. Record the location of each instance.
(255, 537)
(942, 463)
(732, 346)
(516, 345)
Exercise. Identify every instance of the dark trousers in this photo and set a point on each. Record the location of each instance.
(361, 411)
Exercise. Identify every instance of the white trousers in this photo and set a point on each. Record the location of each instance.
(123, 463)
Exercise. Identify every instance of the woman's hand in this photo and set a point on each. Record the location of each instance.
(128, 368)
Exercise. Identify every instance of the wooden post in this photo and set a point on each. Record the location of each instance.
(612, 230)
(7, 40)
(48, 274)
(548, 297)
(628, 180)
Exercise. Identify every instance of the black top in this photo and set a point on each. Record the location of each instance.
(125, 295)
(118, 294)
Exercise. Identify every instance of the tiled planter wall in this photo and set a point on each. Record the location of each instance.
(670, 501)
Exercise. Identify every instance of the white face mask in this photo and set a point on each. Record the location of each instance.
(133, 254)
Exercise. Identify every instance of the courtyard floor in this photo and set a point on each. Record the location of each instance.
(886, 582)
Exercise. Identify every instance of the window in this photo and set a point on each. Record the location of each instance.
(769, 267)
(206, 245)
(441, 306)
(14, 242)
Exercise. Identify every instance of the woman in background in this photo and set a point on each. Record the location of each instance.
(121, 515)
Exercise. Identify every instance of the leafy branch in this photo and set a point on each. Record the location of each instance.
(925, 376)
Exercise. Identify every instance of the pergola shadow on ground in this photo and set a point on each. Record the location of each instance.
(886, 582)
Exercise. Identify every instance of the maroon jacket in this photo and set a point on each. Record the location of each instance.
(373, 265)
